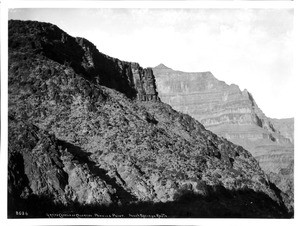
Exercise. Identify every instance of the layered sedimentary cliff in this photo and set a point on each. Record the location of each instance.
(285, 127)
(214, 103)
(82, 139)
(230, 113)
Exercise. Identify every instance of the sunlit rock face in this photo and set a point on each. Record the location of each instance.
(285, 127)
(229, 112)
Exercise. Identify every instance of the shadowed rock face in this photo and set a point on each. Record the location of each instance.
(229, 112)
(80, 142)
(84, 58)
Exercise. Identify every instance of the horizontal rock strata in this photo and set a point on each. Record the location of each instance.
(229, 112)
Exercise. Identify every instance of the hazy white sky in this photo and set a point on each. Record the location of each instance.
(249, 47)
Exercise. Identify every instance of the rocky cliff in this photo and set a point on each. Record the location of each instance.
(214, 103)
(230, 113)
(81, 143)
(84, 58)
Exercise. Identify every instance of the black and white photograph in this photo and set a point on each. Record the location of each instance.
(149, 112)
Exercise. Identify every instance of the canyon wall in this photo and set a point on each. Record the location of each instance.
(229, 112)
(81, 141)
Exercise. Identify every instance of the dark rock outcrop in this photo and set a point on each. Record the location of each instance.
(78, 144)
(48, 170)
(84, 58)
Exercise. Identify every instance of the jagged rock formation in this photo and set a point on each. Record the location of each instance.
(125, 77)
(229, 112)
(80, 141)
(85, 59)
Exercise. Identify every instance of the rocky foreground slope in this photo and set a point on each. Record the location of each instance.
(233, 114)
(88, 135)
